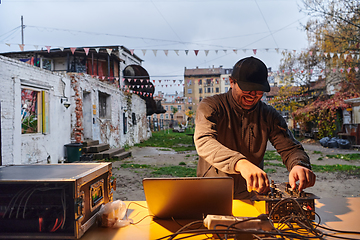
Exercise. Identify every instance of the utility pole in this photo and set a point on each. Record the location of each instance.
(22, 30)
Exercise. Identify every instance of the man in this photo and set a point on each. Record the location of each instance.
(232, 131)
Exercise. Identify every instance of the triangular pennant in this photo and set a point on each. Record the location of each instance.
(36, 47)
(225, 51)
(8, 44)
(244, 50)
(345, 56)
(154, 51)
(109, 50)
(338, 55)
(143, 51)
(132, 51)
(196, 52)
(73, 49)
(356, 69)
(166, 52)
(277, 50)
(216, 51)
(254, 51)
(62, 48)
(48, 48)
(318, 54)
(177, 52)
(206, 52)
(235, 51)
(325, 54)
(331, 55)
(186, 52)
(86, 51)
(21, 46)
(310, 52)
(97, 50)
(267, 50)
(348, 70)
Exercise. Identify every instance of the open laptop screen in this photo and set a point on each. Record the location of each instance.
(188, 197)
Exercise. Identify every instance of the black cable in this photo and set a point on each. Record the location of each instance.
(339, 231)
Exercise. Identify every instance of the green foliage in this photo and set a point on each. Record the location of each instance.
(270, 170)
(272, 155)
(317, 152)
(182, 163)
(174, 140)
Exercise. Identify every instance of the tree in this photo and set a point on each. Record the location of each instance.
(173, 110)
(189, 115)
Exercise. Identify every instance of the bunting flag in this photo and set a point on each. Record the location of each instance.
(73, 49)
(109, 50)
(254, 51)
(206, 52)
(166, 52)
(132, 51)
(8, 44)
(196, 52)
(97, 50)
(21, 46)
(143, 51)
(177, 52)
(154, 51)
(216, 51)
(62, 49)
(86, 51)
(48, 48)
(186, 52)
(36, 47)
(235, 51)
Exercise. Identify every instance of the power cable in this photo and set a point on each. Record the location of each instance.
(266, 23)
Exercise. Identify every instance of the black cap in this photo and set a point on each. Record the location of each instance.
(251, 75)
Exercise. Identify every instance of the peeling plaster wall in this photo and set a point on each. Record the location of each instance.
(108, 129)
(18, 148)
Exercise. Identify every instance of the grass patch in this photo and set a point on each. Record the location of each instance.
(272, 155)
(347, 157)
(325, 168)
(182, 163)
(177, 141)
(317, 152)
(270, 170)
(174, 171)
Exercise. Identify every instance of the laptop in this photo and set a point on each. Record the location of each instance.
(188, 197)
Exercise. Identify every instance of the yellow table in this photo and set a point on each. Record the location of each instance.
(337, 213)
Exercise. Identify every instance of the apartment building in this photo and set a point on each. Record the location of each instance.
(204, 82)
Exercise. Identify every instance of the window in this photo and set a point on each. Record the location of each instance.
(166, 108)
(209, 90)
(34, 111)
(226, 89)
(189, 91)
(46, 64)
(217, 90)
(208, 81)
(133, 116)
(204, 90)
(167, 116)
(200, 81)
(161, 116)
(200, 98)
(171, 108)
(227, 82)
(200, 90)
(104, 105)
(190, 107)
(179, 107)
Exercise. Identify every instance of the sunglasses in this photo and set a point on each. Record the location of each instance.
(259, 93)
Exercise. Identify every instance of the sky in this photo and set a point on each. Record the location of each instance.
(215, 32)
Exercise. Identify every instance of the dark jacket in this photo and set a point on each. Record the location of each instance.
(226, 133)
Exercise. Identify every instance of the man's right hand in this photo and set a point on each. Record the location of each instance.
(256, 178)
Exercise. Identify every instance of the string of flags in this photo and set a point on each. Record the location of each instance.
(196, 52)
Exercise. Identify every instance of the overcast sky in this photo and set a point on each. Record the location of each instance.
(223, 31)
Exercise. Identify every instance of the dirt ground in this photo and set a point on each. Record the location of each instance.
(329, 184)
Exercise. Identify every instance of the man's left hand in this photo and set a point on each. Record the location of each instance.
(302, 174)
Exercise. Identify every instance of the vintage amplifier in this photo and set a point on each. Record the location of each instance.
(52, 201)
